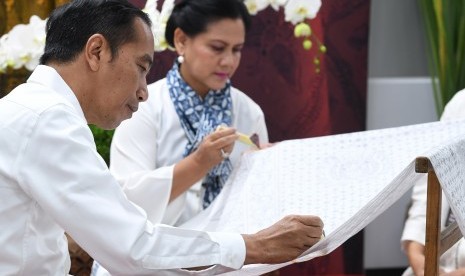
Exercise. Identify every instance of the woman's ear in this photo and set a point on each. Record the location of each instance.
(95, 49)
(180, 39)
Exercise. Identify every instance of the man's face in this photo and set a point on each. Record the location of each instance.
(122, 80)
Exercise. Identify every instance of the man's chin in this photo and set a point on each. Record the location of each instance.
(120, 120)
(112, 125)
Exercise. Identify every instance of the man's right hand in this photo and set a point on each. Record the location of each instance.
(284, 241)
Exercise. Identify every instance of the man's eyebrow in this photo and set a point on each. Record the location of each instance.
(147, 59)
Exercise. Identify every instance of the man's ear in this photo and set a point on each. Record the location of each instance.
(180, 39)
(95, 51)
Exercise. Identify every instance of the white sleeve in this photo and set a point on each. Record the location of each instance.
(61, 170)
(415, 224)
(249, 116)
(261, 129)
(133, 163)
(455, 108)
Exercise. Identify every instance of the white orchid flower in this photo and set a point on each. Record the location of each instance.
(10, 54)
(166, 10)
(159, 37)
(159, 20)
(3, 57)
(4, 54)
(23, 45)
(254, 6)
(150, 6)
(38, 42)
(296, 11)
(276, 4)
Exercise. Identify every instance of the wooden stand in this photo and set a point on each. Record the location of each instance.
(436, 242)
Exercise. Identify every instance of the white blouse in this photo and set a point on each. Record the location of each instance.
(52, 179)
(415, 225)
(145, 148)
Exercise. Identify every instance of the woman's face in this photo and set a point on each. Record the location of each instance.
(211, 57)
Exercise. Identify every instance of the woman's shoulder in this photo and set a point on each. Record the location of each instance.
(241, 98)
(243, 103)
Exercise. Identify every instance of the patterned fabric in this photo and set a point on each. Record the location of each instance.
(200, 117)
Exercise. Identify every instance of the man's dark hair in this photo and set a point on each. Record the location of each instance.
(70, 26)
(193, 16)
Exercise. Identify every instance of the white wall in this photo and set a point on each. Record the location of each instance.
(394, 102)
(399, 93)
(397, 41)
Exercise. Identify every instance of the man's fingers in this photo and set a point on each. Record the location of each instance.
(313, 226)
(311, 221)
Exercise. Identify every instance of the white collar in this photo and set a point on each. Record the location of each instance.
(49, 77)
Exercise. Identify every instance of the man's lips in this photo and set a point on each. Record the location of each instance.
(133, 107)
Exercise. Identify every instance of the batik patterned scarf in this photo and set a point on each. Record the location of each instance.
(200, 117)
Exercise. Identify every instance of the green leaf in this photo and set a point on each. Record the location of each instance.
(102, 140)
(445, 27)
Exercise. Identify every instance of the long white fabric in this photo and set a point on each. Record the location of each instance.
(52, 179)
(348, 180)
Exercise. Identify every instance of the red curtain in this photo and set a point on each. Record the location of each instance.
(280, 76)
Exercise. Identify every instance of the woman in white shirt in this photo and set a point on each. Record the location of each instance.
(452, 262)
(185, 108)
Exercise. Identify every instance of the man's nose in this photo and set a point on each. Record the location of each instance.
(142, 94)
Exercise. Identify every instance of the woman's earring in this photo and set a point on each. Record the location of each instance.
(180, 59)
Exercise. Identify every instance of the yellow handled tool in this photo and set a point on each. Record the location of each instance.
(252, 140)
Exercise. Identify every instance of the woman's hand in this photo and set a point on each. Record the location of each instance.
(210, 153)
(216, 146)
(416, 257)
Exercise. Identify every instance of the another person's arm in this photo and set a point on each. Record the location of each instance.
(413, 236)
(416, 256)
(72, 184)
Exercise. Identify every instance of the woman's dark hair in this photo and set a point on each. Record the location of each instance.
(193, 16)
(70, 26)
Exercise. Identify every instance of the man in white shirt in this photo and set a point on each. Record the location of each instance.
(52, 180)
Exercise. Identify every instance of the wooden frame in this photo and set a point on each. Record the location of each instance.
(436, 241)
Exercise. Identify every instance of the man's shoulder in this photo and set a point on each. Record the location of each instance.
(34, 97)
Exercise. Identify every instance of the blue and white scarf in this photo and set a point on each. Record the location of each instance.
(200, 117)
